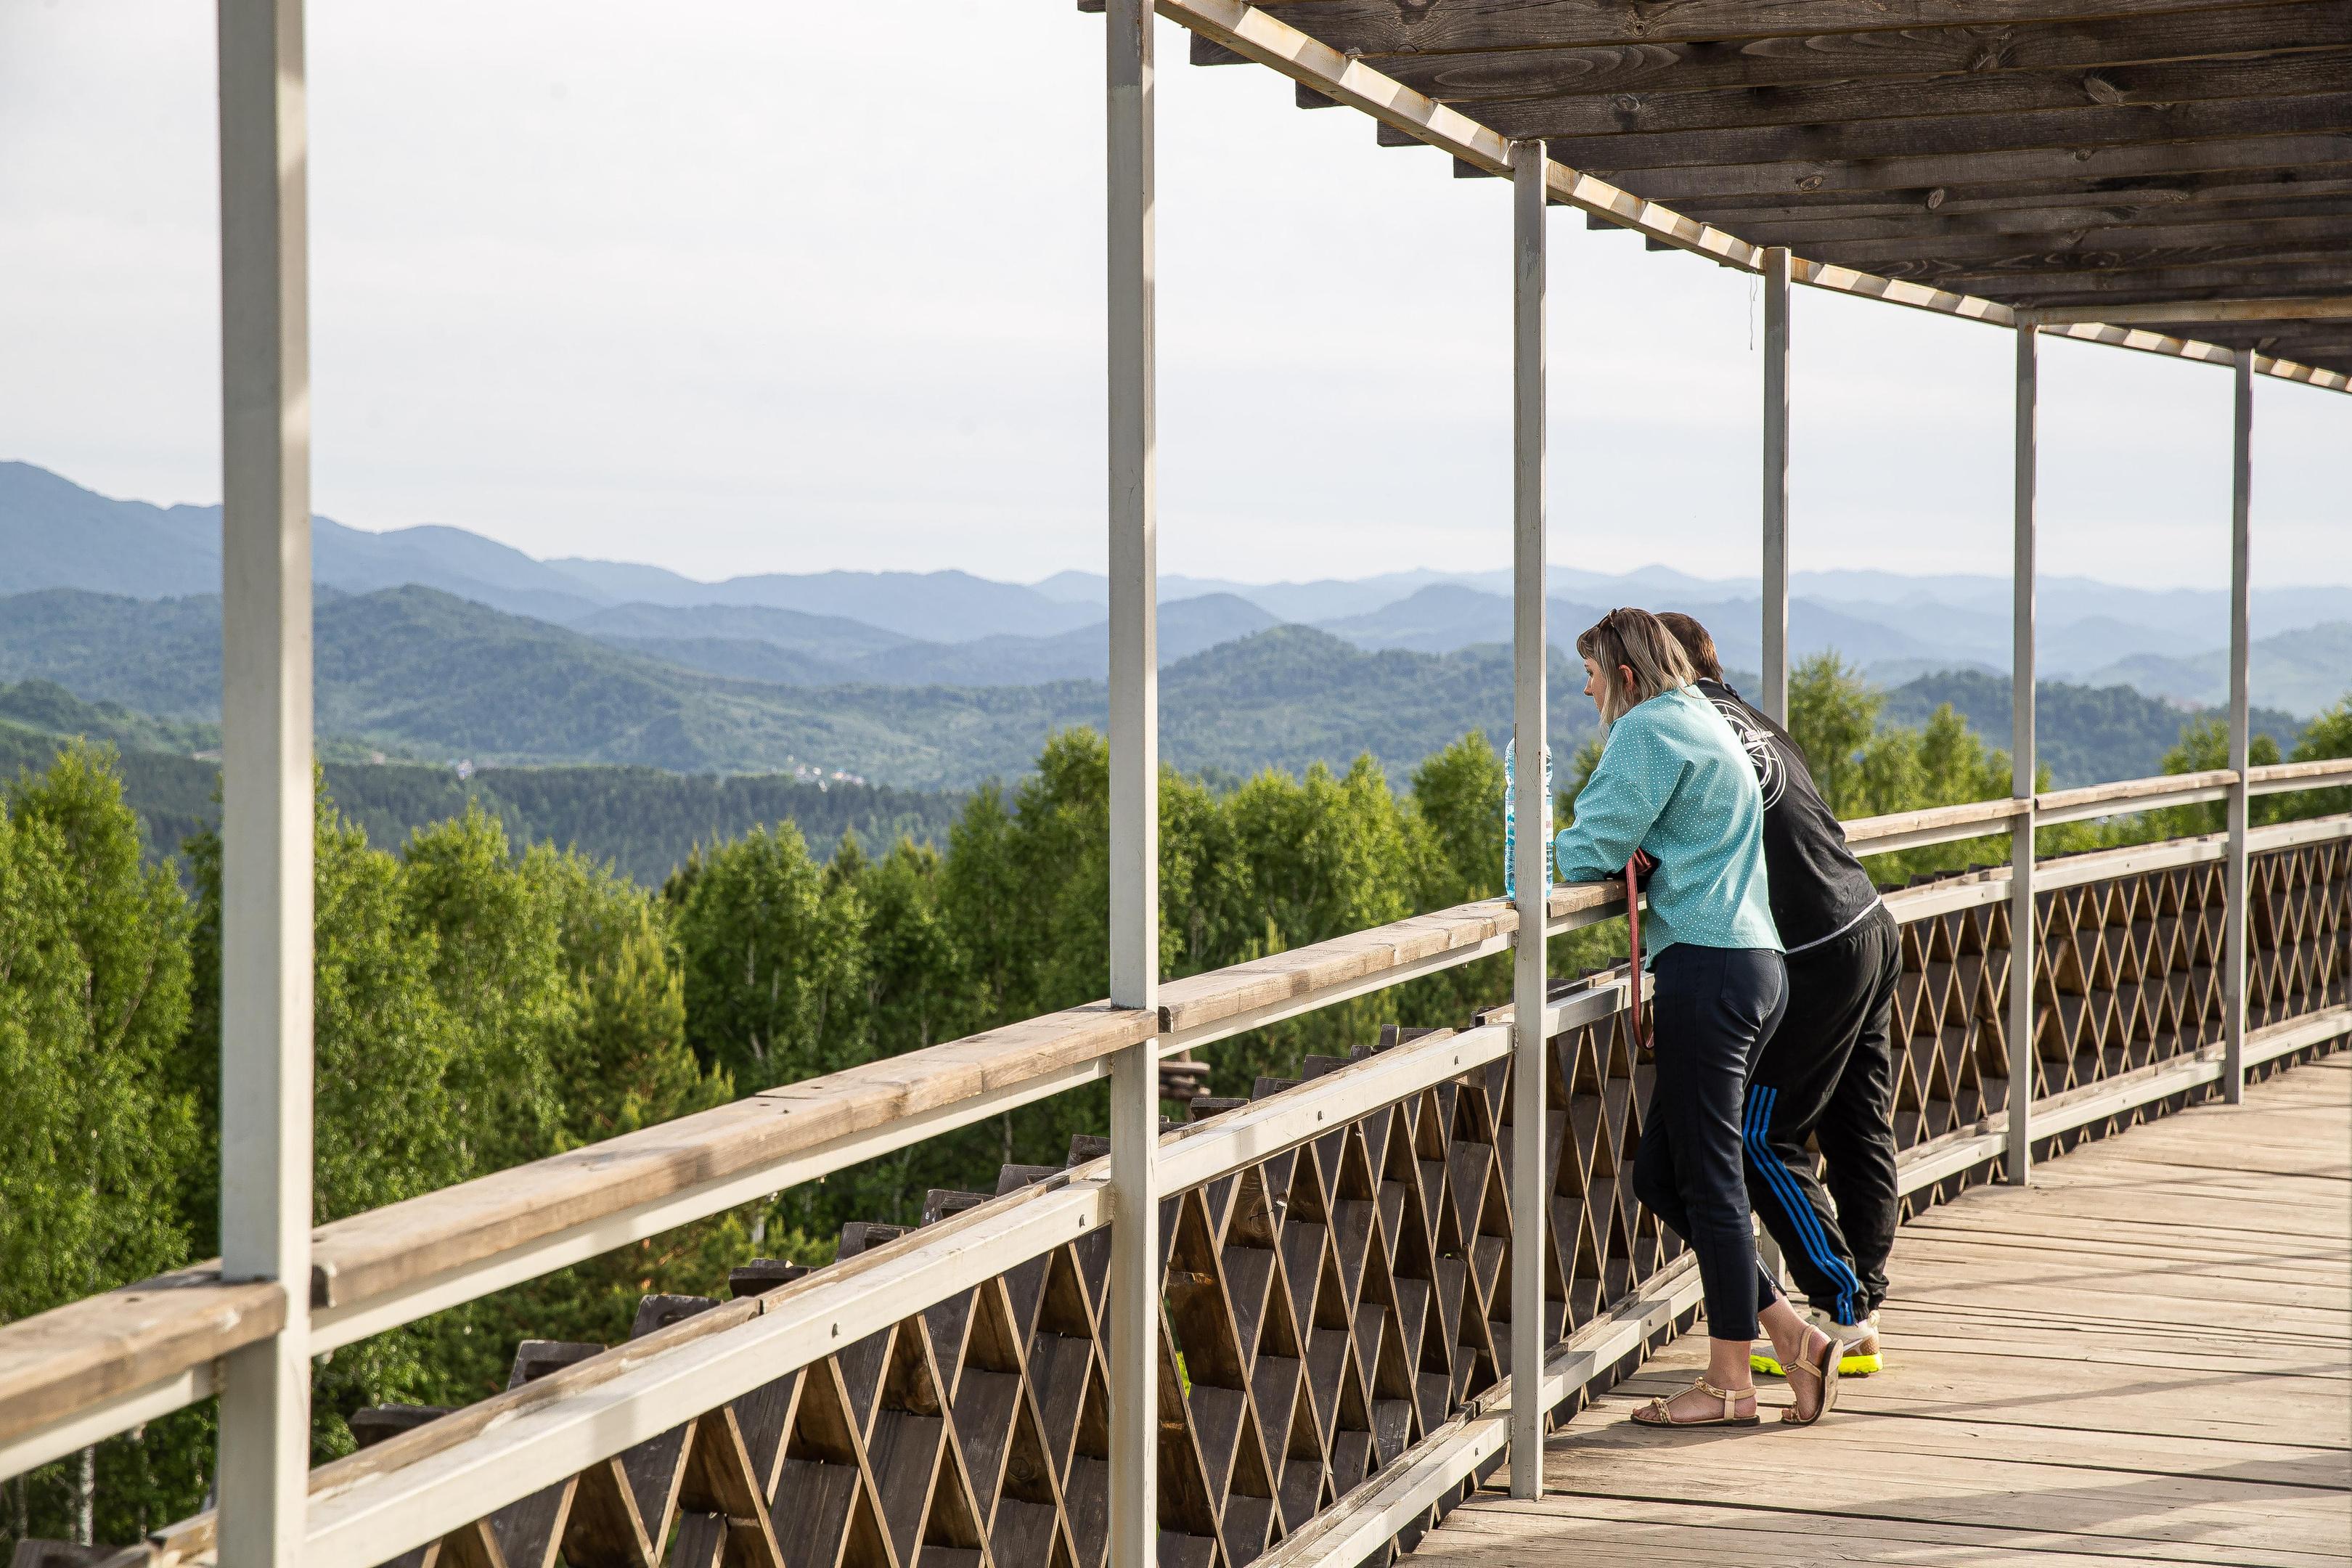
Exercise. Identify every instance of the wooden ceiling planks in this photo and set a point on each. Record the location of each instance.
(2035, 152)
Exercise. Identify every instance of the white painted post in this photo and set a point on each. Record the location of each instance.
(266, 844)
(2023, 943)
(1775, 703)
(1134, 1285)
(2237, 886)
(1530, 653)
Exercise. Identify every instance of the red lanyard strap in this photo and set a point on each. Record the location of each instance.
(1633, 943)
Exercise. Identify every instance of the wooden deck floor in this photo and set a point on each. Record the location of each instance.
(2144, 1358)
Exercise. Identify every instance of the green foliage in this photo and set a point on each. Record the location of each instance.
(771, 959)
(2330, 736)
(94, 1000)
(2085, 735)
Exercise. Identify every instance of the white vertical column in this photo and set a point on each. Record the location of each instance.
(265, 845)
(2234, 959)
(1775, 703)
(2023, 943)
(1134, 1307)
(1530, 653)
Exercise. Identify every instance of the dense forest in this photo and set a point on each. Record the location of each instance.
(480, 1005)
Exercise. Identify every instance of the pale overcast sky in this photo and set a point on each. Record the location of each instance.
(737, 288)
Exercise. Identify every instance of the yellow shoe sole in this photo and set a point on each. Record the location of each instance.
(1848, 1366)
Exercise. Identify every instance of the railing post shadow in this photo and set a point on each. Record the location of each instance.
(1134, 1282)
(1529, 656)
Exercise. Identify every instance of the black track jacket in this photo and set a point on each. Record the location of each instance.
(1819, 888)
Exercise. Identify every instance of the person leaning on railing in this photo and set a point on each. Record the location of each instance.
(1673, 785)
(1828, 1072)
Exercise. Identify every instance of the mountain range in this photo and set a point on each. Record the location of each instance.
(907, 628)
(437, 645)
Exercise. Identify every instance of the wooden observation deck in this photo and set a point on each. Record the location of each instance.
(1289, 1333)
(2146, 1357)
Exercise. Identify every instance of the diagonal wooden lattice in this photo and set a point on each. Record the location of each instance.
(1329, 1308)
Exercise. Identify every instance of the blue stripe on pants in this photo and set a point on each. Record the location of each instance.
(1806, 1223)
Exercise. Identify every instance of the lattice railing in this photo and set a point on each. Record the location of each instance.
(1342, 1301)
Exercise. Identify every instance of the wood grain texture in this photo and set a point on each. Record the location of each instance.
(70, 1357)
(2150, 126)
(1905, 54)
(1386, 27)
(1876, 99)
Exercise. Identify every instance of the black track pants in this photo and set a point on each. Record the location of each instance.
(1828, 1073)
(1716, 1005)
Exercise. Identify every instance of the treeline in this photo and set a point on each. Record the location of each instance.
(478, 1006)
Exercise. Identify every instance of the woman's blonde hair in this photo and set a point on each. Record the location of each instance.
(1636, 640)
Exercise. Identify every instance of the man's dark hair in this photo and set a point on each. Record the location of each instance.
(1695, 642)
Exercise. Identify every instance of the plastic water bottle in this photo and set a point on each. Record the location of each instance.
(1510, 818)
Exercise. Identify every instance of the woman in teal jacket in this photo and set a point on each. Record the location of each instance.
(1673, 786)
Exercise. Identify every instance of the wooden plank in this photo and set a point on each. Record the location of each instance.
(2110, 248)
(1963, 1440)
(1496, 1532)
(1865, 99)
(1923, 231)
(1950, 136)
(2218, 193)
(1615, 1458)
(60, 1360)
(1652, 66)
(2265, 312)
(2219, 280)
(2098, 160)
(1382, 27)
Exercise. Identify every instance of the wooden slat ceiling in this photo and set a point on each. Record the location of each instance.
(2044, 154)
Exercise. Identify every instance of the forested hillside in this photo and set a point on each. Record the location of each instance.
(480, 1004)
(2083, 734)
(420, 673)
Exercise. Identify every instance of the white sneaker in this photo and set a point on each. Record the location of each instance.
(1861, 1353)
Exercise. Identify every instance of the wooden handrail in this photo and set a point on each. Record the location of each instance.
(88, 1353)
(2318, 774)
(1983, 816)
(2068, 804)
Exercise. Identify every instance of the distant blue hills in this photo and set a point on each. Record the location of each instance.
(435, 641)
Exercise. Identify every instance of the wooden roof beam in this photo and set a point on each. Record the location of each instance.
(2101, 249)
(2209, 281)
(2161, 223)
(1377, 28)
(2205, 312)
(2269, 77)
(1914, 54)
(2218, 193)
(1400, 111)
(2089, 162)
(2071, 132)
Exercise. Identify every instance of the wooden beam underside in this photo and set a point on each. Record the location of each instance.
(1833, 58)
(2029, 152)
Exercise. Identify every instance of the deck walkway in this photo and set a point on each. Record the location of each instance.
(2144, 1358)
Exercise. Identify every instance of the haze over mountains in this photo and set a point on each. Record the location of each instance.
(438, 643)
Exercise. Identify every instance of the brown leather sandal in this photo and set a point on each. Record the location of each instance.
(1822, 1369)
(1656, 1414)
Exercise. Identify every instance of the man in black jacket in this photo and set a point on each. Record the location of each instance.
(1828, 1073)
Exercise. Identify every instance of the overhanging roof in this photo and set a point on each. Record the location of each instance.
(2181, 164)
